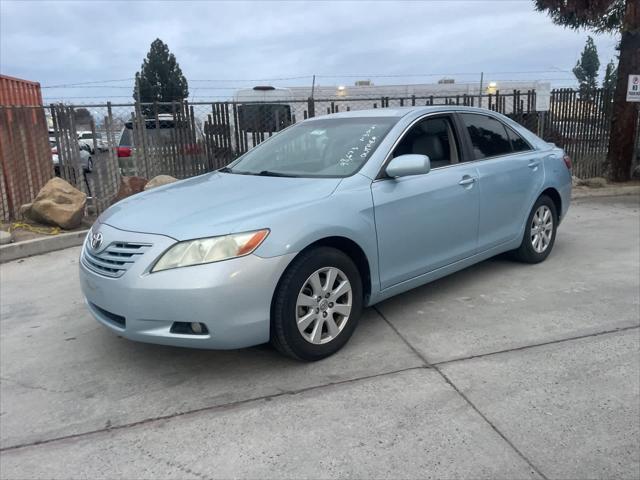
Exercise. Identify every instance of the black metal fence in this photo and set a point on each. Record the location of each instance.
(184, 139)
(581, 127)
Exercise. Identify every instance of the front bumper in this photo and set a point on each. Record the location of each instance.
(232, 298)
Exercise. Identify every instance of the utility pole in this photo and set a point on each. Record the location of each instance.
(311, 106)
(480, 92)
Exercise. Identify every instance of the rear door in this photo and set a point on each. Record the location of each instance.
(510, 176)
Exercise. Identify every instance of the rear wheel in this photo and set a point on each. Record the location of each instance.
(540, 232)
(317, 305)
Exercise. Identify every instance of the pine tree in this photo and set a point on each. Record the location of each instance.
(160, 78)
(586, 70)
(609, 16)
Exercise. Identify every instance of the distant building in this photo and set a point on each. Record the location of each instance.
(445, 88)
(348, 96)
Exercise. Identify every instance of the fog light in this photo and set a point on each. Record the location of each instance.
(189, 328)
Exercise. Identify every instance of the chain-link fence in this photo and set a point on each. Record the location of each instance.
(94, 145)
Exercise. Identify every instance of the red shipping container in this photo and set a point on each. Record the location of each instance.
(25, 154)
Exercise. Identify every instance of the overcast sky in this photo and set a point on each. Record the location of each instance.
(222, 46)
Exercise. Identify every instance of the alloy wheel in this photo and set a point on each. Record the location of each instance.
(541, 229)
(324, 304)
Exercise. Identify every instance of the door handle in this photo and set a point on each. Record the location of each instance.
(533, 164)
(466, 180)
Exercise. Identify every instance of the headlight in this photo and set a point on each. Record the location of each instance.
(208, 250)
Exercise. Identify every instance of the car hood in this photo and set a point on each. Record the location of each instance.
(214, 204)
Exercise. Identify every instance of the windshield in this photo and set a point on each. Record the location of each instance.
(333, 147)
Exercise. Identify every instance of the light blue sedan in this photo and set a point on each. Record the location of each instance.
(292, 240)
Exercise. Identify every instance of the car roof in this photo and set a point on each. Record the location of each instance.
(402, 111)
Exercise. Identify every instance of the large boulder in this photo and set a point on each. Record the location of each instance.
(159, 180)
(575, 181)
(129, 186)
(5, 237)
(58, 203)
(594, 182)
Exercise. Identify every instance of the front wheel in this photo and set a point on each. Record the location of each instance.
(317, 305)
(540, 232)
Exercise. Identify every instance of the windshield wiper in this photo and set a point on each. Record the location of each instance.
(269, 173)
(263, 173)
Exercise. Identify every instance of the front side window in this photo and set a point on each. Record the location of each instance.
(432, 137)
(488, 136)
(336, 147)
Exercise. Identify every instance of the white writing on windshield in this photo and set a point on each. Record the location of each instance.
(369, 139)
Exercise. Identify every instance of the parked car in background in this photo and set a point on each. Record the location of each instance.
(86, 138)
(161, 133)
(264, 108)
(293, 239)
(86, 159)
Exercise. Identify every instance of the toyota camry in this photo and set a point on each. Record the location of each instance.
(293, 239)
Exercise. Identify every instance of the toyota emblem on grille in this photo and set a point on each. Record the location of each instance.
(96, 240)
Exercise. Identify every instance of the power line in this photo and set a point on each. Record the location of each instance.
(459, 74)
(252, 79)
(86, 83)
(298, 77)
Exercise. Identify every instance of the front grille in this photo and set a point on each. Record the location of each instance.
(114, 260)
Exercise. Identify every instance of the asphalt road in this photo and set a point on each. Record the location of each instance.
(503, 370)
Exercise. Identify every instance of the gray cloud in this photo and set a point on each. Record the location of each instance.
(69, 42)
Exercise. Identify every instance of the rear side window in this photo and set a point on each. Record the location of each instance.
(519, 144)
(489, 137)
(125, 138)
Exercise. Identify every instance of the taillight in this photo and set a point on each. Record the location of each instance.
(191, 149)
(124, 151)
(567, 161)
(54, 150)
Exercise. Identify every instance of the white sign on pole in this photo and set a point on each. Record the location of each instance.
(633, 88)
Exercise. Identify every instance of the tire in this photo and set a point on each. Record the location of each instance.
(318, 337)
(89, 168)
(530, 251)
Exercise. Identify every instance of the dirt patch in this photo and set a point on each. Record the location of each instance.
(27, 230)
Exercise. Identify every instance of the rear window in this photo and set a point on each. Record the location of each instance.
(264, 117)
(160, 133)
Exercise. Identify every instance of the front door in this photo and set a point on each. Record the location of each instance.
(425, 222)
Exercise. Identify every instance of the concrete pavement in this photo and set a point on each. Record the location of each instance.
(500, 371)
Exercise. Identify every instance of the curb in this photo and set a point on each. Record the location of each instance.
(38, 246)
(587, 192)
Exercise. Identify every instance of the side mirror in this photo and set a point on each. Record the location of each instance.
(410, 164)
